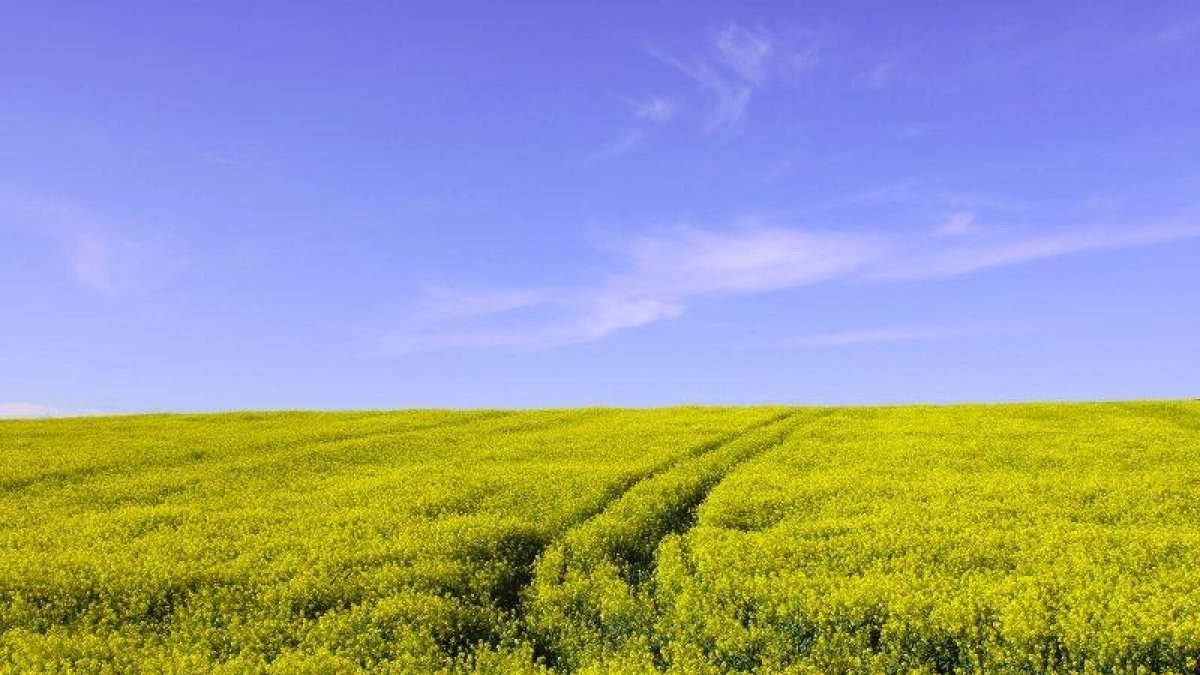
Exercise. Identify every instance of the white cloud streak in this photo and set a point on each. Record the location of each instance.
(738, 63)
(662, 275)
(958, 260)
(25, 410)
(649, 112)
(877, 76)
(653, 109)
(959, 223)
(745, 52)
(619, 146)
(100, 258)
(898, 334)
(731, 95)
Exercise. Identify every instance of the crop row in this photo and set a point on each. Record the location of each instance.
(385, 542)
(586, 603)
(1014, 539)
(1029, 538)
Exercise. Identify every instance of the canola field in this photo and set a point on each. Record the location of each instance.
(1035, 538)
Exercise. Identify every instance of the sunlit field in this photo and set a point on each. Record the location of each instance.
(1006, 538)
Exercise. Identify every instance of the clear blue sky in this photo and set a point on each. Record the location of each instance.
(378, 205)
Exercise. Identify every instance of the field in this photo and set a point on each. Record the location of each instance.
(1014, 538)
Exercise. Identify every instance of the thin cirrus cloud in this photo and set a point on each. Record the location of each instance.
(657, 109)
(877, 76)
(960, 259)
(26, 410)
(100, 258)
(745, 52)
(619, 146)
(959, 223)
(661, 276)
(900, 334)
(737, 64)
(648, 112)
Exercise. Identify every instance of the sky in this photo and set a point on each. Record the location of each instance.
(265, 205)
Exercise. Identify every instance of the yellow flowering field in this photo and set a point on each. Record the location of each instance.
(1012, 538)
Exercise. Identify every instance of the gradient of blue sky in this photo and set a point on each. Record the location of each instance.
(269, 205)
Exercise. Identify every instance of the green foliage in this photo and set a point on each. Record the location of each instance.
(1031, 538)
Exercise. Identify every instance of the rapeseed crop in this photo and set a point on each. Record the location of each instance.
(1023, 538)
(972, 539)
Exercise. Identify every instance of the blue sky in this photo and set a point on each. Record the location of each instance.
(367, 205)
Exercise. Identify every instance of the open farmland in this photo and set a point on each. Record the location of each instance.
(1014, 538)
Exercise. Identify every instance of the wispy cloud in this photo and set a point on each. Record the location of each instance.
(745, 52)
(731, 95)
(899, 71)
(112, 266)
(901, 334)
(647, 112)
(929, 194)
(448, 303)
(877, 76)
(655, 109)
(618, 146)
(737, 63)
(25, 410)
(101, 258)
(661, 275)
(959, 223)
(805, 57)
(960, 259)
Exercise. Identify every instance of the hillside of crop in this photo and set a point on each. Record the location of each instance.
(1002, 538)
